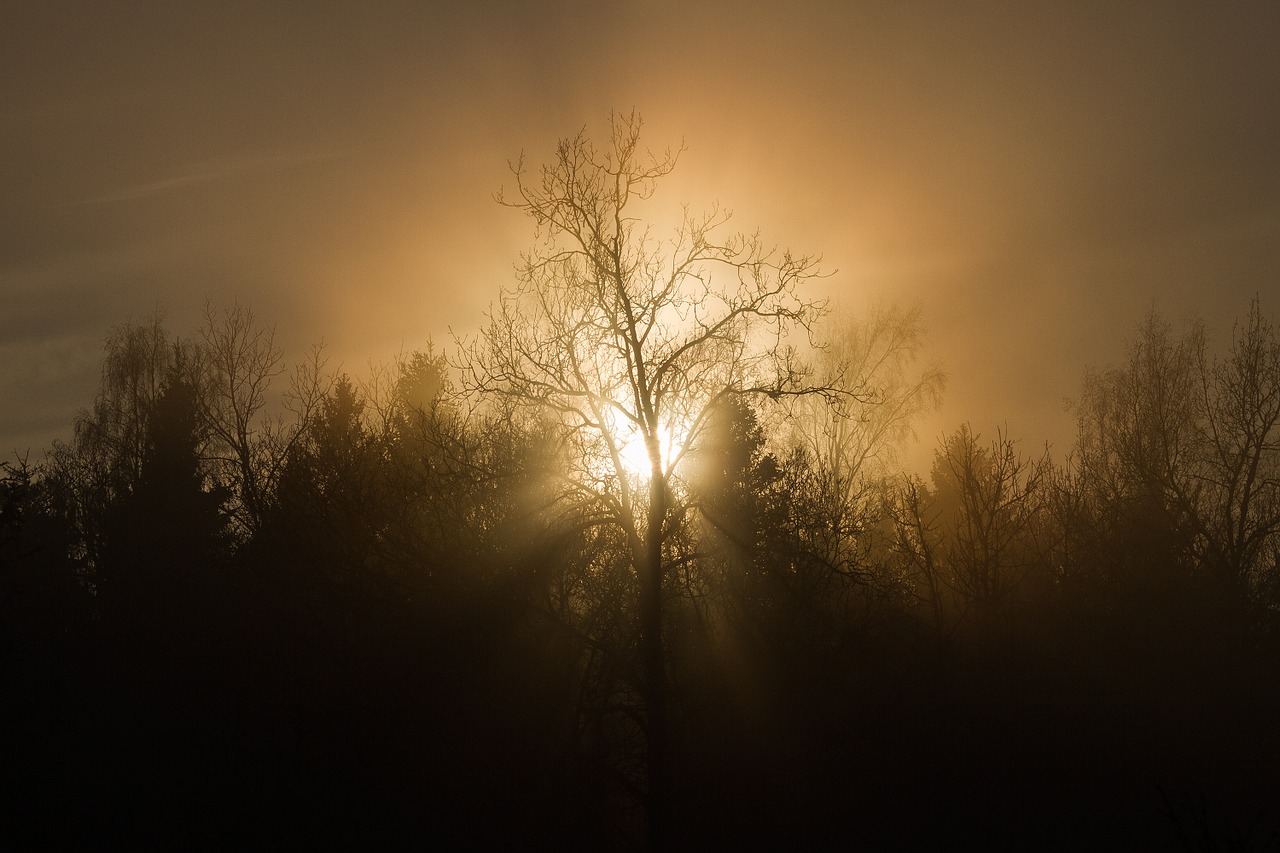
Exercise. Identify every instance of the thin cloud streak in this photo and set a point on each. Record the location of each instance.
(206, 173)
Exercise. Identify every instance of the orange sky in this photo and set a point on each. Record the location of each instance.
(1035, 178)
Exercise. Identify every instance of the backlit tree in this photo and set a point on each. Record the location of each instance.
(626, 342)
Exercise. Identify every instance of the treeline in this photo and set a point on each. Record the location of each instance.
(251, 605)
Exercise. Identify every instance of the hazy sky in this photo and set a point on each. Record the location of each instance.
(1035, 174)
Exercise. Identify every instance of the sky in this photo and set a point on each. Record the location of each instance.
(1036, 176)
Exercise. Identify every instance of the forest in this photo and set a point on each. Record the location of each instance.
(641, 566)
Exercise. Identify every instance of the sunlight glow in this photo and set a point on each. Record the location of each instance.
(635, 457)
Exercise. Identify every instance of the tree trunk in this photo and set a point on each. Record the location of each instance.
(655, 672)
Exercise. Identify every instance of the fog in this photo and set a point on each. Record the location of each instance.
(1034, 179)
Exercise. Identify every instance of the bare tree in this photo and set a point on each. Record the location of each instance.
(853, 440)
(1240, 438)
(138, 357)
(626, 340)
(1137, 422)
(248, 442)
(103, 461)
(1192, 442)
(987, 501)
(860, 436)
(915, 540)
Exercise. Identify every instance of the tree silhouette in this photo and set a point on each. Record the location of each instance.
(989, 499)
(102, 464)
(248, 445)
(851, 449)
(620, 337)
(168, 535)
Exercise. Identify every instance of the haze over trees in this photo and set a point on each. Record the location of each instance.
(638, 566)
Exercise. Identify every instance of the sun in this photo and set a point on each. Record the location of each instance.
(635, 457)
